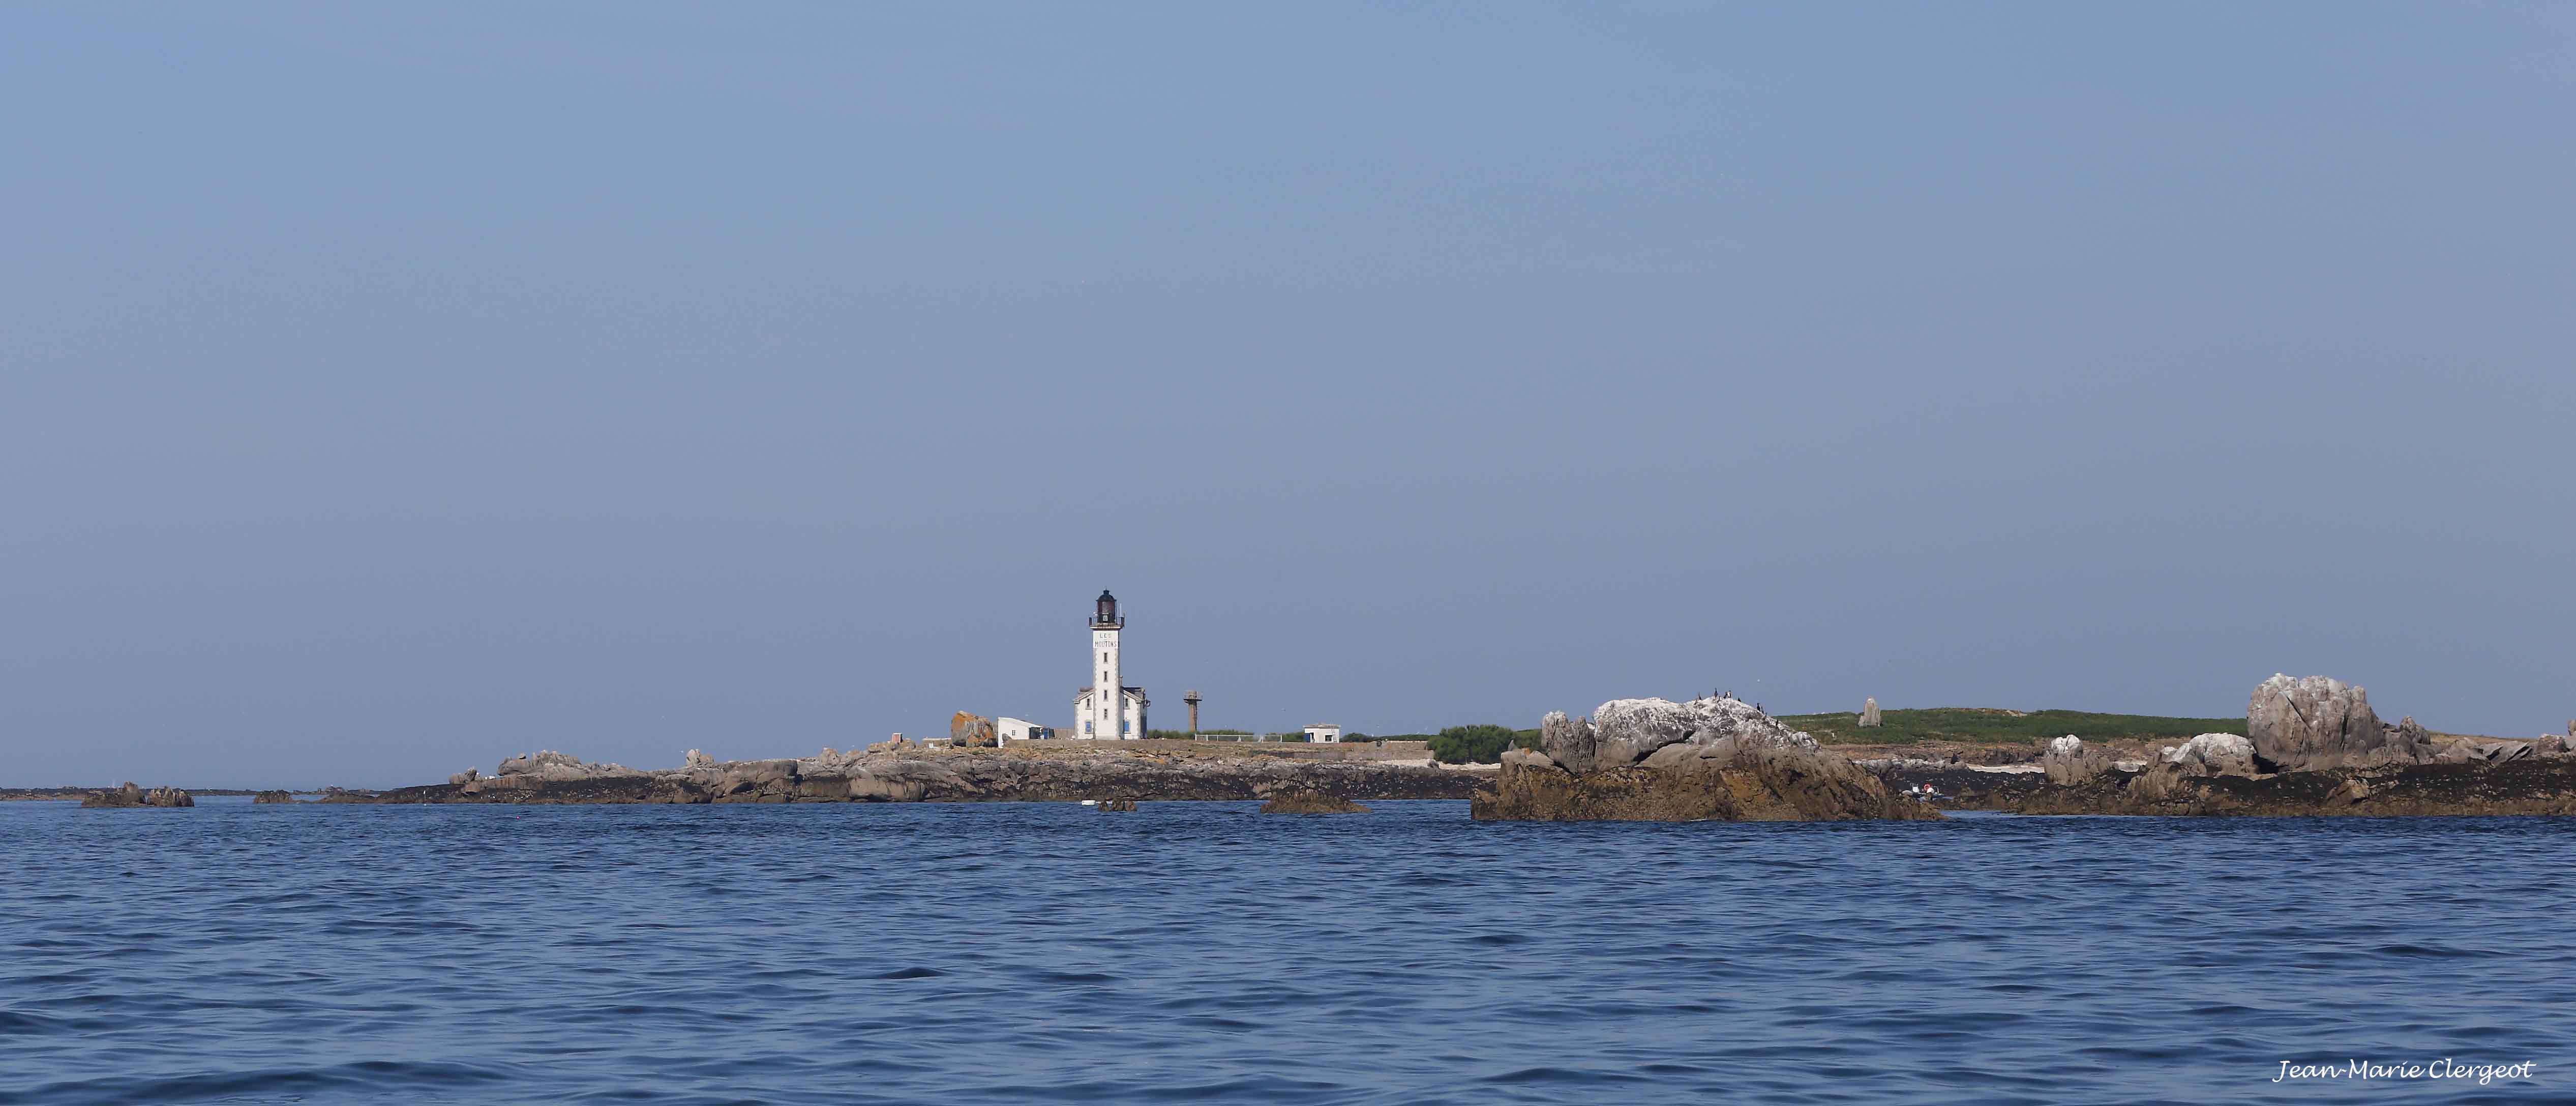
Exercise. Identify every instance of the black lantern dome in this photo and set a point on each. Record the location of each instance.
(1105, 610)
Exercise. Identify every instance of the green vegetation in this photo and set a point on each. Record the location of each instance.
(1479, 744)
(1982, 726)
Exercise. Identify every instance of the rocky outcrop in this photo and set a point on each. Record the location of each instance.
(1566, 744)
(551, 767)
(2313, 723)
(1869, 716)
(1624, 732)
(1714, 759)
(467, 776)
(971, 731)
(133, 796)
(273, 797)
(1310, 802)
(2068, 761)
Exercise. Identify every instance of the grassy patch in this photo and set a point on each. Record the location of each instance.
(2002, 727)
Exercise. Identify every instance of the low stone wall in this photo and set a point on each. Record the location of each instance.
(1341, 751)
(978, 775)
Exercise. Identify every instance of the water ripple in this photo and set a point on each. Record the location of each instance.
(1199, 952)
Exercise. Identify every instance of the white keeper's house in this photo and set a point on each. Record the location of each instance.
(1097, 713)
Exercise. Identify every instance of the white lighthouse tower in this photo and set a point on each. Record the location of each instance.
(1108, 709)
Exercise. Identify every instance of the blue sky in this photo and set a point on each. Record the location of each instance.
(388, 390)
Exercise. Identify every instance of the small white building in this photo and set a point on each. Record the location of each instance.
(1021, 729)
(1099, 714)
(1324, 733)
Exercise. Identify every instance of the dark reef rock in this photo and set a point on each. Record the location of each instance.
(1716, 759)
(1310, 802)
(273, 797)
(132, 796)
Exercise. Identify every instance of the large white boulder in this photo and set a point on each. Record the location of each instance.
(1628, 730)
(2214, 754)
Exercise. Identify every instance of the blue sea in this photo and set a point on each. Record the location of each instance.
(1200, 952)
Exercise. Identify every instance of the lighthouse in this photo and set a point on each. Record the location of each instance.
(1108, 709)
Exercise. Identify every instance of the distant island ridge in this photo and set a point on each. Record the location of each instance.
(1974, 735)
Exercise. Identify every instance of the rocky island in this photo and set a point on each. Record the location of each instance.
(133, 796)
(2313, 746)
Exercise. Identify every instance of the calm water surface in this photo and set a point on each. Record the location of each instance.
(1200, 952)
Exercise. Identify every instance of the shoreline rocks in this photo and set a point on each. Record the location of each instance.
(273, 797)
(2313, 747)
(2538, 785)
(914, 774)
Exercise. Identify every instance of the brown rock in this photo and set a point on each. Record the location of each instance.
(1310, 802)
(970, 731)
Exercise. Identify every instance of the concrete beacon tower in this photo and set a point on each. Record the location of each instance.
(1108, 709)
